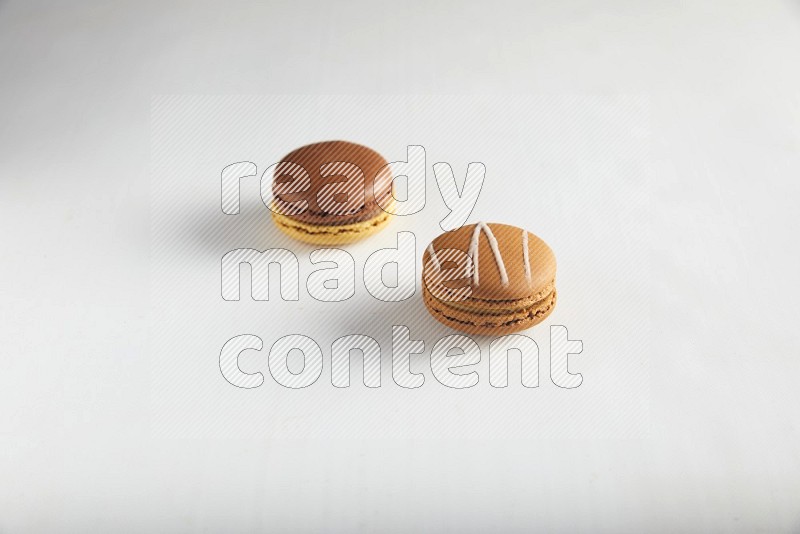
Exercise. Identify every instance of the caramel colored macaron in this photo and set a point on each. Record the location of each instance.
(331, 193)
(489, 279)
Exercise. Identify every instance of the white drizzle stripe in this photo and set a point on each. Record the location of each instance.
(434, 259)
(526, 260)
(473, 251)
(498, 259)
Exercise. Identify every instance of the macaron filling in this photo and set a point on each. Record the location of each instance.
(329, 219)
(285, 221)
(500, 317)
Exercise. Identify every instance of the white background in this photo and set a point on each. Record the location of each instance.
(574, 170)
(82, 447)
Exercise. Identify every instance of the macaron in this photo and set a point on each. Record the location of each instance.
(489, 279)
(331, 193)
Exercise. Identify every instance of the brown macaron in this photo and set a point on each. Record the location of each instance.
(331, 193)
(489, 279)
